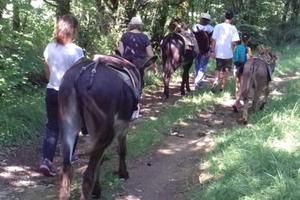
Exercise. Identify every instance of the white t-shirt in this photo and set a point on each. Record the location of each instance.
(207, 28)
(224, 34)
(60, 58)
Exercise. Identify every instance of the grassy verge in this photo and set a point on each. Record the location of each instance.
(22, 116)
(260, 161)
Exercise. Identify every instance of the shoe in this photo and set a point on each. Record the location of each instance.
(214, 87)
(47, 168)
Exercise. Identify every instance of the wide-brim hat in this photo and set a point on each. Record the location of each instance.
(136, 20)
(205, 16)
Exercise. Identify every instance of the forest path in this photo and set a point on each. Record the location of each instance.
(166, 172)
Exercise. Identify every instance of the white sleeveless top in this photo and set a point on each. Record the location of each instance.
(59, 59)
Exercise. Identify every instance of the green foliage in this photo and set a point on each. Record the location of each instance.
(21, 121)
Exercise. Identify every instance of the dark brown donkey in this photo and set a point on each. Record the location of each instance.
(104, 94)
(174, 55)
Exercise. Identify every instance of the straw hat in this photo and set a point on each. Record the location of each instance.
(136, 20)
(205, 16)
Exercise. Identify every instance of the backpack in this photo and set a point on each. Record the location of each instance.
(203, 40)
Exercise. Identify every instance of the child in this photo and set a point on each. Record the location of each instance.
(240, 55)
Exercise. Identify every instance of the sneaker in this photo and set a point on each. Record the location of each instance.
(47, 168)
(214, 87)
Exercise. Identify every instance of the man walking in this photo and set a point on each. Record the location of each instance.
(203, 31)
(224, 38)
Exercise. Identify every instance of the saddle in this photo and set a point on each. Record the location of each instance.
(265, 57)
(126, 70)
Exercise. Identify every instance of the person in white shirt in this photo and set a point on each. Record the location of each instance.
(224, 39)
(203, 32)
(59, 55)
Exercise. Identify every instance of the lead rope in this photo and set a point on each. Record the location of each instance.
(93, 72)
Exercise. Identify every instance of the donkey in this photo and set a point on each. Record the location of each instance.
(174, 55)
(257, 76)
(103, 94)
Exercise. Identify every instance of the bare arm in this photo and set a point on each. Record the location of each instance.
(149, 51)
(121, 48)
(213, 46)
(150, 55)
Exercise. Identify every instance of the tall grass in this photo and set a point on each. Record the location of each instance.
(262, 160)
(22, 116)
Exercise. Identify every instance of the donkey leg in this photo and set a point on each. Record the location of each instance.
(185, 79)
(244, 119)
(123, 173)
(166, 77)
(91, 174)
(70, 123)
(265, 98)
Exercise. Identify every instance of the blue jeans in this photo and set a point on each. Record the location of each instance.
(200, 69)
(52, 127)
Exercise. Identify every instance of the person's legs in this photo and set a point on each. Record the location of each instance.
(196, 68)
(51, 133)
(218, 75)
(226, 68)
(203, 60)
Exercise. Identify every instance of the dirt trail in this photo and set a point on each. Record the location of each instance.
(164, 173)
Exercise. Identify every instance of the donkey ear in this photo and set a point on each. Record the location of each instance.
(149, 62)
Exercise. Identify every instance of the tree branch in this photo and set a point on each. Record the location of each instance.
(50, 3)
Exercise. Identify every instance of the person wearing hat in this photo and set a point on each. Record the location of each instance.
(241, 54)
(135, 45)
(203, 31)
(224, 38)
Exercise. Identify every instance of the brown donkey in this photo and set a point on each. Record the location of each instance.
(103, 94)
(257, 76)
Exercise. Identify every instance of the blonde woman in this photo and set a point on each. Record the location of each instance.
(59, 55)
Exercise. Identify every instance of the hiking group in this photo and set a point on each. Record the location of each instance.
(81, 95)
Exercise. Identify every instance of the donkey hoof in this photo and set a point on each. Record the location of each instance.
(243, 121)
(262, 106)
(188, 90)
(182, 93)
(235, 109)
(96, 194)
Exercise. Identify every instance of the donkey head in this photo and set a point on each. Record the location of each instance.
(269, 57)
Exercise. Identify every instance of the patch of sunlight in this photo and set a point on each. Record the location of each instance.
(205, 177)
(166, 151)
(16, 169)
(198, 99)
(129, 197)
(280, 118)
(23, 183)
(287, 143)
(153, 118)
(5, 174)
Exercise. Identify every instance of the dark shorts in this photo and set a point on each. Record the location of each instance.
(223, 64)
(239, 69)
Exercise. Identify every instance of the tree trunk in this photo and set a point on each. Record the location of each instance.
(286, 10)
(2, 7)
(16, 24)
(295, 4)
(63, 7)
(158, 28)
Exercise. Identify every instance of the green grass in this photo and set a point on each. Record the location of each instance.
(261, 160)
(22, 116)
